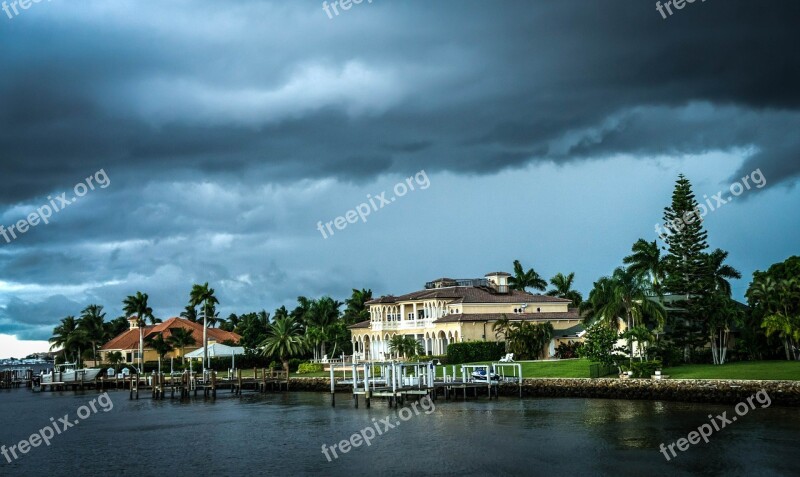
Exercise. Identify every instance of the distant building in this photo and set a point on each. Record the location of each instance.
(456, 310)
(127, 342)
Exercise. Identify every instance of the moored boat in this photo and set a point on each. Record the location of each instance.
(69, 373)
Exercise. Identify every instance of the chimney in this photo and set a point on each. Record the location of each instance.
(133, 322)
(498, 281)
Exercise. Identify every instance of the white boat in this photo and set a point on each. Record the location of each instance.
(70, 374)
(480, 376)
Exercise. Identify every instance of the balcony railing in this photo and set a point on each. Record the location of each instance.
(467, 282)
(402, 325)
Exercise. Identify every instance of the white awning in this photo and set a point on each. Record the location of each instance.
(217, 350)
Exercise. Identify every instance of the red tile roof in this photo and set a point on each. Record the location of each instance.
(130, 339)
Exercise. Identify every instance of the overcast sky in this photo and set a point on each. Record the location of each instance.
(550, 131)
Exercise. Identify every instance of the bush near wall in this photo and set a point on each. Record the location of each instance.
(643, 369)
(309, 368)
(473, 351)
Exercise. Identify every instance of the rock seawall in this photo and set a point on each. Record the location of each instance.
(783, 393)
(316, 384)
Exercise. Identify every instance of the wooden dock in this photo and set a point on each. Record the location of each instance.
(180, 385)
(16, 378)
(399, 381)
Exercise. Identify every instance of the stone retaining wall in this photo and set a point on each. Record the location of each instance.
(785, 393)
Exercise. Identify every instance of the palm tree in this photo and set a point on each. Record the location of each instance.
(205, 295)
(92, 324)
(646, 261)
(136, 305)
(563, 289)
(592, 309)
(357, 310)
(284, 340)
(300, 313)
(522, 279)
(68, 337)
(501, 327)
(412, 347)
(322, 314)
(181, 338)
(623, 295)
(405, 346)
(231, 323)
(396, 345)
(642, 336)
(114, 358)
(778, 301)
(719, 273)
(190, 313)
(160, 346)
(529, 340)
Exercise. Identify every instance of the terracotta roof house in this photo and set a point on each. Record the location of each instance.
(127, 342)
(451, 310)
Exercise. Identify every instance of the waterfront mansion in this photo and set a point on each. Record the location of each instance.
(451, 311)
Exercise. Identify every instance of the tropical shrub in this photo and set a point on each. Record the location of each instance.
(305, 368)
(643, 369)
(294, 363)
(473, 351)
(599, 344)
(527, 340)
(568, 350)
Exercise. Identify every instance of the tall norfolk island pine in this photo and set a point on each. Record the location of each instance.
(683, 264)
(699, 276)
(686, 242)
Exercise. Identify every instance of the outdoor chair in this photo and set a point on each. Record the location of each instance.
(509, 358)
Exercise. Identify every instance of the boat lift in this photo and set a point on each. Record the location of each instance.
(393, 379)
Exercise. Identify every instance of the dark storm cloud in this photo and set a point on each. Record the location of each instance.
(217, 121)
(495, 84)
(34, 321)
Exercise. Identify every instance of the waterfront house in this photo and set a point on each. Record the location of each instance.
(128, 342)
(456, 310)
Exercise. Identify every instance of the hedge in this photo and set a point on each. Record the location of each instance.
(473, 351)
(309, 368)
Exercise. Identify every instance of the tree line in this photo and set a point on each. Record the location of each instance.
(676, 298)
(313, 329)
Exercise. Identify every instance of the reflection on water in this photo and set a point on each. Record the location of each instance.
(282, 434)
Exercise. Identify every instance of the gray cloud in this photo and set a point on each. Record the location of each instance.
(229, 129)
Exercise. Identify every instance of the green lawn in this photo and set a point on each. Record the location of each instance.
(573, 368)
(579, 368)
(770, 370)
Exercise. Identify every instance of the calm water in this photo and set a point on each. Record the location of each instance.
(283, 434)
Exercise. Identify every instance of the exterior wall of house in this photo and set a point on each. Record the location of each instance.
(149, 354)
(417, 318)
